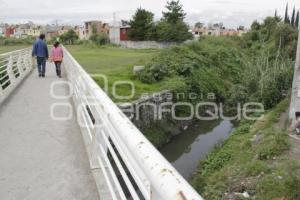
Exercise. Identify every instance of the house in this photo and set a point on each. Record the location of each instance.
(64, 29)
(81, 32)
(51, 32)
(2, 29)
(216, 30)
(96, 26)
(9, 31)
(25, 30)
(119, 32)
(34, 30)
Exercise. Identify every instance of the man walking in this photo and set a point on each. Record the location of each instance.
(40, 51)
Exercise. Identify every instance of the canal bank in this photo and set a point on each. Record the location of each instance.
(192, 145)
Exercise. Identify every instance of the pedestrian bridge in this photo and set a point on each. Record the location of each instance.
(66, 139)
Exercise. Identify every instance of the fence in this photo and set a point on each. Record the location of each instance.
(145, 44)
(14, 67)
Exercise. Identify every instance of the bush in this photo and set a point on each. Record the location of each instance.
(69, 37)
(100, 39)
(266, 81)
(17, 41)
(273, 144)
(256, 167)
(178, 32)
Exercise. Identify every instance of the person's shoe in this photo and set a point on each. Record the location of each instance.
(40, 75)
(43, 75)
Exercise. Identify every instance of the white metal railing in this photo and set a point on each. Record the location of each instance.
(131, 165)
(14, 67)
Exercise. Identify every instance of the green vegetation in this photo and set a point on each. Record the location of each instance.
(69, 37)
(293, 20)
(254, 159)
(142, 25)
(98, 38)
(171, 28)
(7, 41)
(8, 48)
(117, 64)
(256, 67)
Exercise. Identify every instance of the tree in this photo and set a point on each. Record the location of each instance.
(297, 20)
(178, 32)
(174, 12)
(293, 17)
(124, 22)
(141, 25)
(255, 26)
(99, 38)
(199, 25)
(286, 38)
(69, 37)
(241, 28)
(286, 16)
(171, 27)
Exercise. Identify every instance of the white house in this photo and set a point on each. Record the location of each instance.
(2, 31)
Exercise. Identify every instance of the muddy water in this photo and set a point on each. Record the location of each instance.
(187, 149)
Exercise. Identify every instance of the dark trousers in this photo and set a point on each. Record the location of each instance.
(58, 67)
(41, 64)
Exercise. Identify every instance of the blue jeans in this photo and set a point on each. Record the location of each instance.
(41, 64)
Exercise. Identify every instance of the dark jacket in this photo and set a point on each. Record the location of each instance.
(40, 49)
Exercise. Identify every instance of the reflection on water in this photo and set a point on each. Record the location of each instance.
(187, 149)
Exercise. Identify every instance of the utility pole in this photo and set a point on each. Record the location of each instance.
(295, 93)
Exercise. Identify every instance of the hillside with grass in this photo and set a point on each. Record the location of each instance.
(258, 159)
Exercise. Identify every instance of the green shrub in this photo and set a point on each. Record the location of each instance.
(100, 39)
(16, 41)
(214, 161)
(273, 144)
(256, 167)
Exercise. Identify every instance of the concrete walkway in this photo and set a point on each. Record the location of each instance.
(41, 158)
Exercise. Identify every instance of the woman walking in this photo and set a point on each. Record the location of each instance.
(57, 57)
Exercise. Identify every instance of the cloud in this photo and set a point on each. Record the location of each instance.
(231, 12)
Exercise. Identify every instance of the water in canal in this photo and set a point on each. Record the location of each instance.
(187, 149)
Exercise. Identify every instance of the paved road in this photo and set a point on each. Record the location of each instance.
(41, 158)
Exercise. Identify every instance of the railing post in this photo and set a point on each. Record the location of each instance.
(1, 91)
(19, 64)
(94, 148)
(10, 71)
(18, 61)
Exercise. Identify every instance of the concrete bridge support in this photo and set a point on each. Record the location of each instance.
(295, 93)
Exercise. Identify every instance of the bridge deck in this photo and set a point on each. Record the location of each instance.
(41, 158)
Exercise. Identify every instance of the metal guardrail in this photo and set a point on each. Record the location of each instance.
(14, 67)
(131, 165)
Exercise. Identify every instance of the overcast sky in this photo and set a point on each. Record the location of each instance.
(231, 12)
